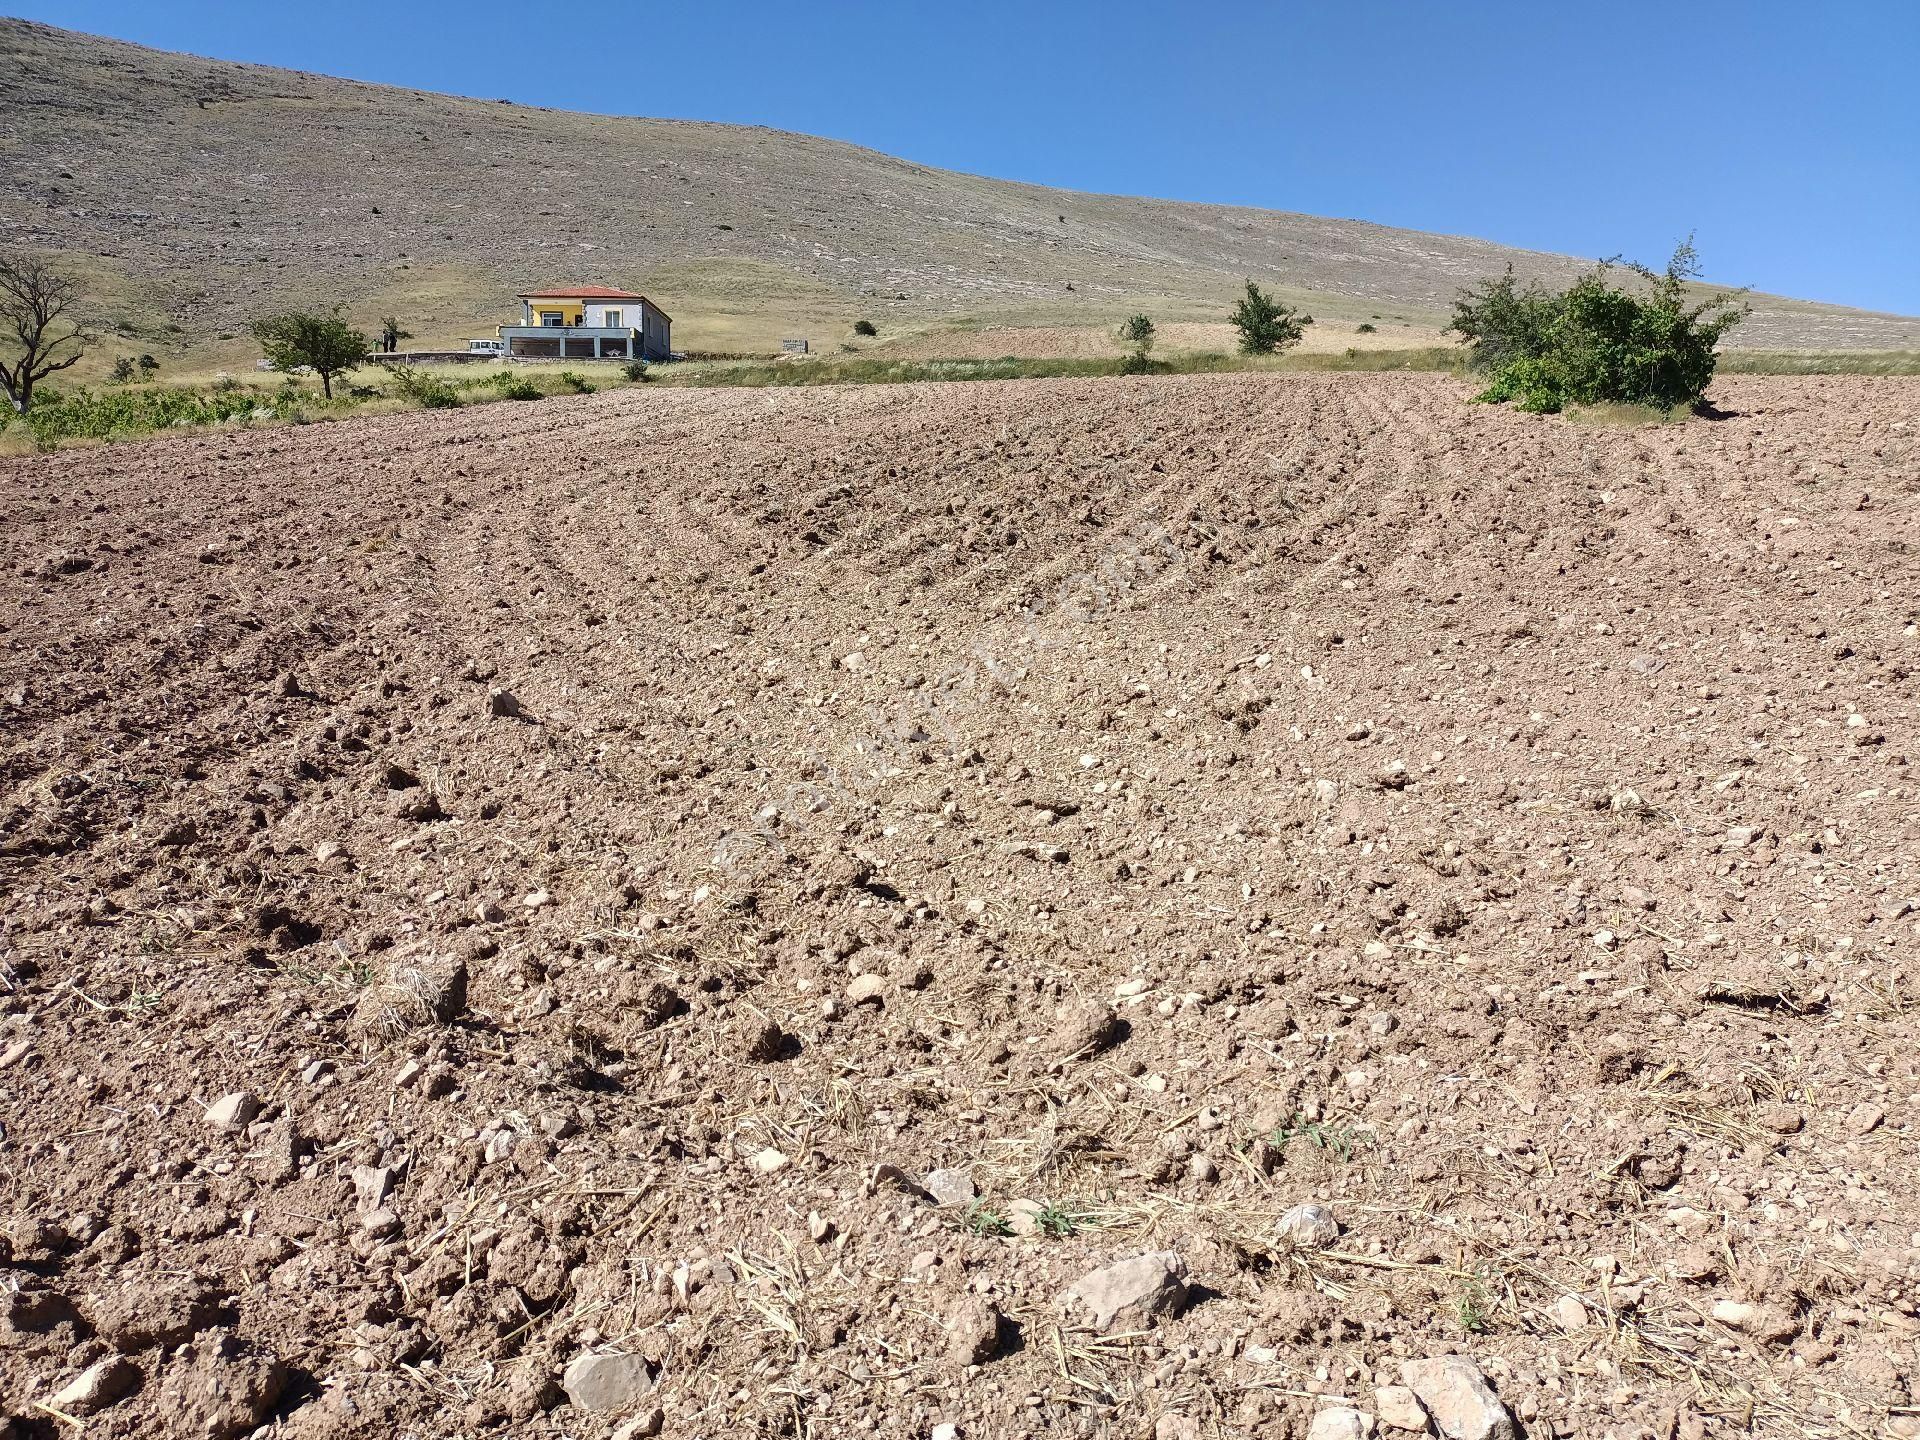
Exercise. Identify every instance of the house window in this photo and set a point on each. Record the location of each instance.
(553, 318)
(613, 320)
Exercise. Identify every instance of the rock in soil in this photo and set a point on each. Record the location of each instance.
(97, 1386)
(973, 1331)
(1340, 1423)
(1458, 1398)
(607, 1383)
(1130, 1294)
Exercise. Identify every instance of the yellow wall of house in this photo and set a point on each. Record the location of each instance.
(572, 309)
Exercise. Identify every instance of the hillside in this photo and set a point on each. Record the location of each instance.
(194, 192)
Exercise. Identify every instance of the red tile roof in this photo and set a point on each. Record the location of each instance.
(582, 292)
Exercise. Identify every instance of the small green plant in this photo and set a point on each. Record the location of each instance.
(635, 370)
(1471, 1307)
(1265, 325)
(514, 387)
(148, 365)
(123, 370)
(224, 384)
(1333, 1139)
(979, 1220)
(865, 327)
(1365, 327)
(578, 384)
(1060, 1221)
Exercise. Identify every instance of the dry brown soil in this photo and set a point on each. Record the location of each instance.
(1499, 831)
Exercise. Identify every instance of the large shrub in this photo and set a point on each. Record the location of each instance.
(1598, 342)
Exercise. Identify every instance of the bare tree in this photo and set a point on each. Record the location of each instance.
(35, 326)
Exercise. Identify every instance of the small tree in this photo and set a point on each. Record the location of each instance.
(1265, 325)
(147, 366)
(865, 327)
(391, 334)
(324, 343)
(123, 371)
(1138, 332)
(39, 335)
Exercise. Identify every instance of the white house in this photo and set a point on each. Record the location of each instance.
(588, 322)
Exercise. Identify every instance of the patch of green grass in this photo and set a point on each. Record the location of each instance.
(1333, 1139)
(1061, 1220)
(979, 1220)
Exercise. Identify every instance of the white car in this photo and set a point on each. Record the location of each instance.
(486, 347)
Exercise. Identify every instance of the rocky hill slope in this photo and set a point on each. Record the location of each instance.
(192, 192)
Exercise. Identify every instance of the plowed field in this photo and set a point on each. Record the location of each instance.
(485, 889)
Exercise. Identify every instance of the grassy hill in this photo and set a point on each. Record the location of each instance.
(194, 194)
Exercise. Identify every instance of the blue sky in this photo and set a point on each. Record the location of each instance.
(1786, 134)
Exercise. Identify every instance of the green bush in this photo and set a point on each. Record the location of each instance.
(634, 369)
(517, 387)
(1364, 328)
(1137, 363)
(1265, 325)
(123, 371)
(1598, 342)
(112, 415)
(429, 392)
(864, 327)
(577, 384)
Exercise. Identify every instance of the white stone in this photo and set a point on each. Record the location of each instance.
(232, 1112)
(1131, 1293)
(1340, 1423)
(1309, 1227)
(1570, 1313)
(1396, 1406)
(603, 1383)
(770, 1161)
(97, 1386)
(950, 1187)
(1459, 1399)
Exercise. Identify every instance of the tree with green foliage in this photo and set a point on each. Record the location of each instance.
(148, 365)
(36, 326)
(1137, 331)
(865, 327)
(391, 334)
(1598, 342)
(323, 342)
(1265, 325)
(123, 371)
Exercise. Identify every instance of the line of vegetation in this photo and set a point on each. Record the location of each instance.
(868, 370)
(1825, 362)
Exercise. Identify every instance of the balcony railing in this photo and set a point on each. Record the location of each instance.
(566, 332)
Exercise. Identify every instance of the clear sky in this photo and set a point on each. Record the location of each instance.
(1785, 132)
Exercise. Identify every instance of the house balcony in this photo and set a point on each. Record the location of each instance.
(571, 342)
